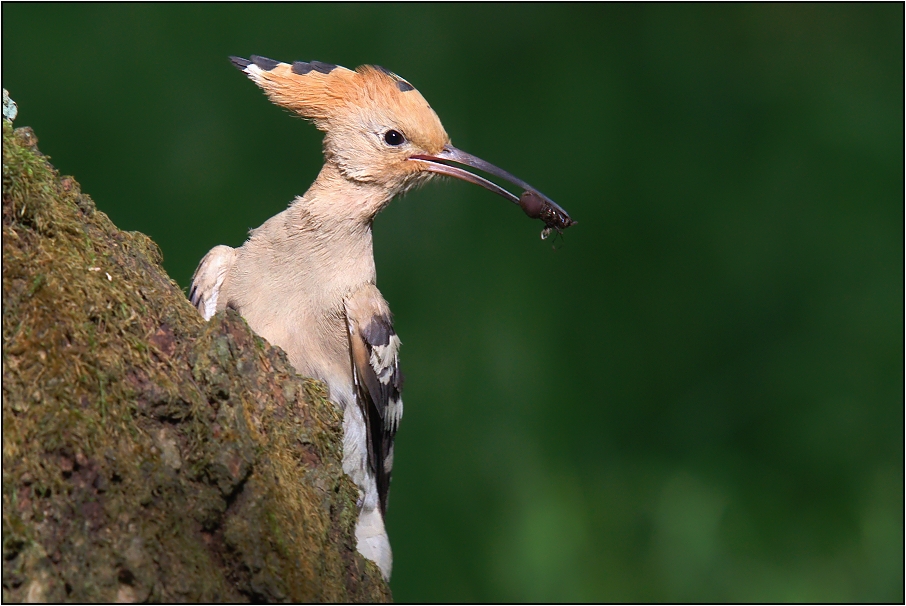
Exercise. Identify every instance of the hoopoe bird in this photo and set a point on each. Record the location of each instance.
(305, 279)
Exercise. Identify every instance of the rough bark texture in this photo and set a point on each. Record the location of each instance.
(148, 455)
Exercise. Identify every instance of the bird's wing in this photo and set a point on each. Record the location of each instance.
(374, 351)
(208, 279)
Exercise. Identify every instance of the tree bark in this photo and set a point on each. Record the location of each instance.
(148, 455)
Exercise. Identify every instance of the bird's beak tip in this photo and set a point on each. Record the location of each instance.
(533, 203)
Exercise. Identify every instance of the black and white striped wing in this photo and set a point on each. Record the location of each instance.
(374, 349)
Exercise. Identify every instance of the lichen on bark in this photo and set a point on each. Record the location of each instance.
(148, 455)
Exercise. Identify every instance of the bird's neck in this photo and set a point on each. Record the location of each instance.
(334, 199)
(330, 225)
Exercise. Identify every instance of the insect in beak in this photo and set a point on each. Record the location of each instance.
(533, 203)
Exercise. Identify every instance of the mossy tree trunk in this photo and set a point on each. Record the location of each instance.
(148, 455)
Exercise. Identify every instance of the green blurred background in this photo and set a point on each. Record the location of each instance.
(697, 396)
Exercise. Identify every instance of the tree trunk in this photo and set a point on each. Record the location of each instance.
(148, 455)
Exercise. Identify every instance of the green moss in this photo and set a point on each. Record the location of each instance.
(148, 455)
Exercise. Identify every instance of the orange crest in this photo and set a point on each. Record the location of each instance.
(333, 96)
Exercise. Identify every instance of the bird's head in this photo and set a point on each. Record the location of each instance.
(380, 130)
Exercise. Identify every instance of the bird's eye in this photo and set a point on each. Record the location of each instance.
(393, 137)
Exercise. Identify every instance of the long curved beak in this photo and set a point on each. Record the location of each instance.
(533, 203)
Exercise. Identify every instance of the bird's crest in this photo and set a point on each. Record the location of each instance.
(325, 93)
